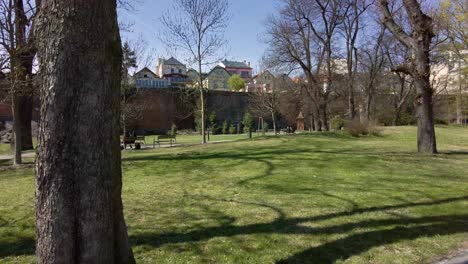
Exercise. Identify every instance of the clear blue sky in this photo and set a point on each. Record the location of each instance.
(243, 34)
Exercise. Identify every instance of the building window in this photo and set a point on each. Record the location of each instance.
(180, 71)
(215, 84)
(145, 76)
(172, 70)
(245, 74)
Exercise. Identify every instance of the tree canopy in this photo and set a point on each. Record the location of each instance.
(236, 83)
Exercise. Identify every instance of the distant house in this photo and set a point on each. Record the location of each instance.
(262, 82)
(192, 76)
(174, 71)
(170, 66)
(449, 76)
(217, 79)
(240, 68)
(145, 73)
(265, 82)
(145, 78)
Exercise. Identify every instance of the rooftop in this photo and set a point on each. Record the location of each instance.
(171, 61)
(235, 64)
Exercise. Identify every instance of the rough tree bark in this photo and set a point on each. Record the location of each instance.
(419, 42)
(79, 214)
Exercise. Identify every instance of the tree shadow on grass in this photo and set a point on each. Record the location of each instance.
(20, 246)
(454, 152)
(402, 228)
(355, 244)
(405, 228)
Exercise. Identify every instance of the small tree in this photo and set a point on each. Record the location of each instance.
(197, 28)
(236, 83)
(232, 129)
(225, 127)
(248, 123)
(265, 128)
(212, 126)
(266, 104)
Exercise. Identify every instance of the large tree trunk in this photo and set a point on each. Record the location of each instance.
(17, 160)
(22, 106)
(422, 71)
(396, 116)
(419, 41)
(25, 105)
(324, 116)
(426, 133)
(351, 103)
(368, 106)
(79, 214)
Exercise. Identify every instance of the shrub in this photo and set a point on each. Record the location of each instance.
(248, 123)
(406, 119)
(265, 128)
(225, 127)
(198, 123)
(232, 129)
(337, 123)
(438, 121)
(355, 128)
(374, 130)
(212, 123)
(358, 128)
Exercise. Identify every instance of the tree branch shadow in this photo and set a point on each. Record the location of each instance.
(405, 228)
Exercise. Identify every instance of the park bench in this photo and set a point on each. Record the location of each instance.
(164, 138)
(132, 141)
(127, 141)
(141, 140)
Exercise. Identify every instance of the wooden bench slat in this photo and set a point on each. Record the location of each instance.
(164, 138)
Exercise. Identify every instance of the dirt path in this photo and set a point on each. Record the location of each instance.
(24, 155)
(459, 256)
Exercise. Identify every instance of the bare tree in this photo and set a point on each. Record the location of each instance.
(197, 26)
(133, 106)
(145, 55)
(302, 36)
(401, 84)
(371, 60)
(17, 42)
(79, 212)
(419, 41)
(263, 103)
(351, 26)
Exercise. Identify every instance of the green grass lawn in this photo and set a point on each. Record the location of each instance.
(5, 149)
(196, 139)
(317, 198)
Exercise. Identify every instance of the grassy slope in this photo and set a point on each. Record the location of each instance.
(304, 199)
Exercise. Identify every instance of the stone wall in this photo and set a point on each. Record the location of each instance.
(164, 107)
